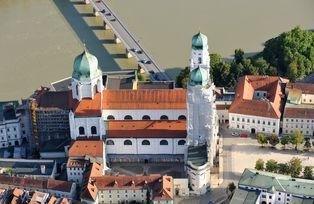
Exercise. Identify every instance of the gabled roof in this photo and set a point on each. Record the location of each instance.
(304, 87)
(147, 129)
(82, 148)
(269, 107)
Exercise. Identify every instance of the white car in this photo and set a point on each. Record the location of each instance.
(234, 134)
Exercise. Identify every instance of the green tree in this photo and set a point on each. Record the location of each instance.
(285, 140)
(238, 56)
(308, 172)
(273, 140)
(295, 166)
(291, 50)
(261, 139)
(307, 144)
(231, 187)
(259, 164)
(296, 138)
(271, 166)
(283, 168)
(183, 78)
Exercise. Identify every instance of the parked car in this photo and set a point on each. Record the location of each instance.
(234, 134)
(243, 135)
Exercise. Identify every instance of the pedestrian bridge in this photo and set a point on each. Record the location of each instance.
(133, 47)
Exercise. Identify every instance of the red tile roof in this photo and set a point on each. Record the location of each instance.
(145, 128)
(49, 184)
(76, 163)
(244, 102)
(305, 88)
(89, 107)
(307, 113)
(89, 190)
(82, 148)
(222, 107)
(132, 99)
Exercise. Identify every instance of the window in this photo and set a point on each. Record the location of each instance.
(127, 142)
(242, 119)
(199, 60)
(263, 122)
(145, 142)
(270, 196)
(146, 117)
(238, 119)
(274, 123)
(163, 117)
(263, 129)
(163, 142)
(110, 142)
(258, 122)
(128, 117)
(93, 130)
(232, 119)
(182, 117)
(110, 117)
(181, 142)
(248, 120)
(253, 121)
(76, 89)
(268, 123)
(81, 131)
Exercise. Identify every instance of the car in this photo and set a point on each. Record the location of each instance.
(103, 11)
(243, 135)
(234, 134)
(146, 62)
(113, 19)
(136, 50)
(108, 14)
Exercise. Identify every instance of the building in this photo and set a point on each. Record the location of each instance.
(202, 119)
(10, 125)
(55, 187)
(40, 169)
(299, 109)
(224, 99)
(50, 116)
(81, 154)
(258, 104)
(262, 187)
(118, 189)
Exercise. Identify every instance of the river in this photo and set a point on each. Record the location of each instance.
(40, 38)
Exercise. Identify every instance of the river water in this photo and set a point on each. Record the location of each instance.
(40, 38)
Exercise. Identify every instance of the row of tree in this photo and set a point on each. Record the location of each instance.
(292, 168)
(295, 138)
(291, 55)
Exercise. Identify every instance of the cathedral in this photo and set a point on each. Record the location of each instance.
(150, 125)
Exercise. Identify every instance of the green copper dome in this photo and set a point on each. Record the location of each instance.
(199, 76)
(85, 67)
(199, 41)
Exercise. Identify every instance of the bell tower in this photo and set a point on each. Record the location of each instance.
(86, 77)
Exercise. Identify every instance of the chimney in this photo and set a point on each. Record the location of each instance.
(43, 169)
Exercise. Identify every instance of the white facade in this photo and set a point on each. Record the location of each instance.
(172, 114)
(86, 126)
(86, 89)
(254, 124)
(135, 146)
(120, 195)
(305, 125)
(76, 174)
(202, 118)
(10, 133)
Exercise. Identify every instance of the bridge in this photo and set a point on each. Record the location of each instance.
(133, 47)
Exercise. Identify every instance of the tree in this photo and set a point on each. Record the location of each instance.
(296, 138)
(273, 140)
(285, 140)
(291, 50)
(238, 56)
(295, 166)
(307, 144)
(271, 166)
(308, 172)
(231, 187)
(183, 78)
(283, 168)
(261, 139)
(259, 164)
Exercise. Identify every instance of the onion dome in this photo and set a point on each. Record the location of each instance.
(85, 67)
(199, 41)
(199, 76)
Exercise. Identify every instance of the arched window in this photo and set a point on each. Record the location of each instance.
(145, 117)
(110, 117)
(145, 142)
(93, 130)
(163, 117)
(127, 142)
(182, 117)
(76, 88)
(110, 142)
(128, 117)
(181, 142)
(163, 142)
(81, 131)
